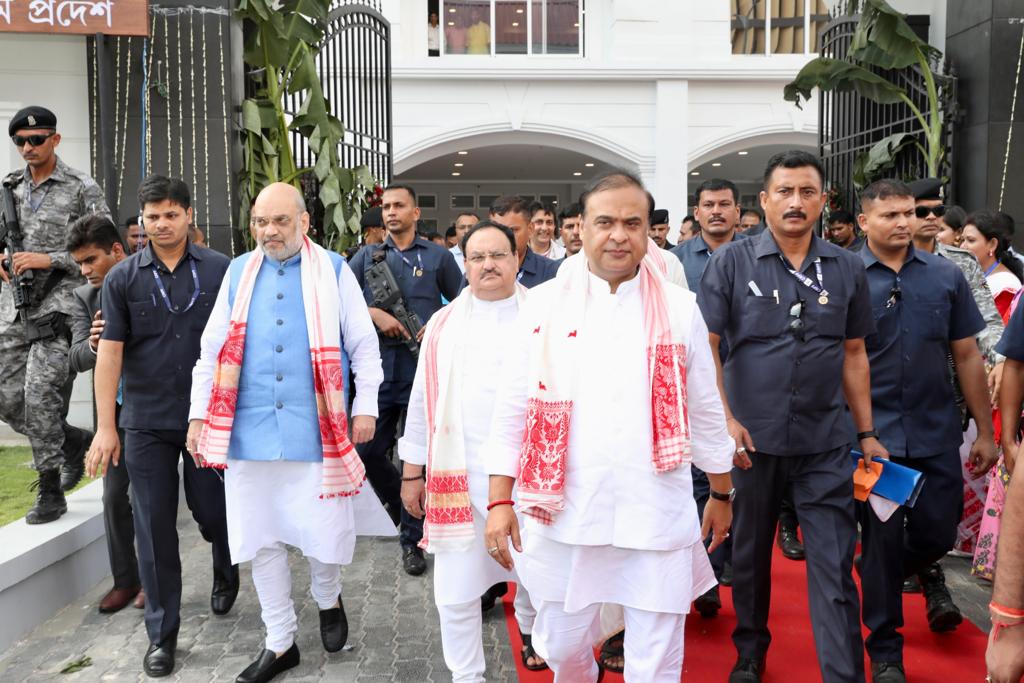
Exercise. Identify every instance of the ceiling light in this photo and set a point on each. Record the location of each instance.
(451, 10)
(589, 164)
(716, 164)
(519, 11)
(743, 154)
(463, 153)
(456, 173)
(694, 172)
(515, 23)
(577, 173)
(575, 25)
(451, 23)
(459, 165)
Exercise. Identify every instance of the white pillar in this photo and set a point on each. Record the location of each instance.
(671, 144)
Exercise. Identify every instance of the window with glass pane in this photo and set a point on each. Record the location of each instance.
(467, 27)
(510, 27)
(556, 27)
(787, 21)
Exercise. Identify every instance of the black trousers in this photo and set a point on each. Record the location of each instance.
(385, 478)
(822, 485)
(119, 525)
(701, 494)
(152, 459)
(908, 542)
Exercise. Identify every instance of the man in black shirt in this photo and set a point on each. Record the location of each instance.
(156, 304)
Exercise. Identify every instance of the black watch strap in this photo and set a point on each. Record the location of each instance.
(725, 497)
(871, 434)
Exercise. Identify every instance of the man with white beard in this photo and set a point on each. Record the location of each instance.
(449, 418)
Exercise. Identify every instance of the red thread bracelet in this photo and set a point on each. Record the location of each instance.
(1011, 612)
(496, 503)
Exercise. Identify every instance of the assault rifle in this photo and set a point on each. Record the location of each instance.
(388, 297)
(11, 241)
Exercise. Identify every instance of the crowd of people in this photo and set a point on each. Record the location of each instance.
(615, 423)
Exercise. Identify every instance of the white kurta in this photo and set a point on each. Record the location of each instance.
(463, 576)
(627, 535)
(674, 271)
(278, 501)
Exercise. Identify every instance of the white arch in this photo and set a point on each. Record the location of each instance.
(756, 136)
(487, 135)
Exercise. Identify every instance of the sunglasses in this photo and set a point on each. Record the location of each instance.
(923, 211)
(796, 322)
(34, 140)
(894, 295)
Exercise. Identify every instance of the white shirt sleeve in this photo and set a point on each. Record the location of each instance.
(214, 334)
(412, 447)
(502, 448)
(675, 272)
(713, 448)
(360, 340)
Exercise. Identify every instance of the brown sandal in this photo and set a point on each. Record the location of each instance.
(528, 652)
(612, 648)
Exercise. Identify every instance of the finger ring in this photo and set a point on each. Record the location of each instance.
(741, 449)
(492, 550)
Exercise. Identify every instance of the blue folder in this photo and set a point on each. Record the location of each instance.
(897, 483)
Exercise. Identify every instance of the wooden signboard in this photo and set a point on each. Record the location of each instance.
(89, 17)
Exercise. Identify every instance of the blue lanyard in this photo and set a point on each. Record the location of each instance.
(416, 272)
(990, 270)
(173, 310)
(28, 197)
(818, 287)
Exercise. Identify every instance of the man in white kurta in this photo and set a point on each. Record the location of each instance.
(463, 347)
(290, 308)
(606, 484)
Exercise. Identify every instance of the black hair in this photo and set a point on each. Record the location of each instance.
(613, 180)
(571, 211)
(883, 189)
(543, 206)
(1007, 223)
(399, 186)
(432, 235)
(794, 158)
(955, 218)
(468, 213)
(157, 188)
(716, 185)
(689, 217)
(132, 220)
(450, 232)
(841, 216)
(511, 203)
(93, 230)
(756, 212)
(494, 225)
(993, 226)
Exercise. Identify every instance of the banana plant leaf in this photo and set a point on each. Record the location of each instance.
(842, 76)
(873, 164)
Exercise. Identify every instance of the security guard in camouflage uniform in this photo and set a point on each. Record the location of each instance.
(35, 385)
(942, 612)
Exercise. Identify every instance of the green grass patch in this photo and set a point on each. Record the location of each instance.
(16, 474)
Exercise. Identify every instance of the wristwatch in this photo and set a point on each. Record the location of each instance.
(724, 497)
(870, 434)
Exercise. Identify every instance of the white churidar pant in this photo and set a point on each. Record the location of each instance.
(462, 639)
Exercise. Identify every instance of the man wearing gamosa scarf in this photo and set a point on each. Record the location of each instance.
(449, 419)
(608, 394)
(268, 408)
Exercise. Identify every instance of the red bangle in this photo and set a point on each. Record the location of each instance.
(496, 503)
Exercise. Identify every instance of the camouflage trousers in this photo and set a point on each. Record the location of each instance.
(35, 387)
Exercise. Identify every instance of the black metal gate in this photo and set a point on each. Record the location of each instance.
(849, 124)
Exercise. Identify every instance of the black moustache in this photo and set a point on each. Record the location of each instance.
(794, 214)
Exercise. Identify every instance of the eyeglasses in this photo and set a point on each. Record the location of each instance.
(477, 259)
(281, 221)
(34, 140)
(894, 295)
(922, 211)
(796, 323)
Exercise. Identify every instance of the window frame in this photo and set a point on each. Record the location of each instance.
(580, 25)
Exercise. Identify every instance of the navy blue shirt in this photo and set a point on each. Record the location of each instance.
(1011, 344)
(161, 346)
(788, 393)
(917, 312)
(536, 269)
(425, 272)
(694, 254)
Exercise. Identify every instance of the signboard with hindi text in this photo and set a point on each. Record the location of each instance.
(56, 17)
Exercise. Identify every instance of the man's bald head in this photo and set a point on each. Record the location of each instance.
(279, 220)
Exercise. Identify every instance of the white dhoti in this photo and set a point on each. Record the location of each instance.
(655, 589)
(271, 504)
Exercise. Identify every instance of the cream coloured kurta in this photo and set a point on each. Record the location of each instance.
(627, 535)
(463, 576)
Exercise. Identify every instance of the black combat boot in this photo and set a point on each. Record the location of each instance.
(943, 614)
(50, 503)
(76, 443)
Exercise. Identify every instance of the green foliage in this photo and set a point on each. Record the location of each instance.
(282, 40)
(883, 41)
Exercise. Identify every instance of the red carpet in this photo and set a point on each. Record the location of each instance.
(929, 657)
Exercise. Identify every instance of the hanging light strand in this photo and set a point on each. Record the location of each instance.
(227, 132)
(206, 128)
(167, 94)
(181, 110)
(124, 119)
(1009, 132)
(192, 110)
(93, 144)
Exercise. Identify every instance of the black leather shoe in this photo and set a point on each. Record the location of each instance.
(491, 595)
(225, 590)
(76, 443)
(50, 503)
(268, 665)
(790, 544)
(911, 585)
(709, 603)
(159, 659)
(334, 627)
(413, 561)
(747, 670)
(726, 578)
(887, 672)
(943, 614)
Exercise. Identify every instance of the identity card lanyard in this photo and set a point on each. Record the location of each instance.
(818, 287)
(167, 299)
(28, 198)
(416, 271)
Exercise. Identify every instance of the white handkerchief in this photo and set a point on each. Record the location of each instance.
(883, 507)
